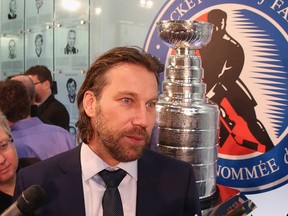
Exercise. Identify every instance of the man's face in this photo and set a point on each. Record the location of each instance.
(8, 161)
(39, 3)
(12, 47)
(13, 7)
(38, 43)
(71, 39)
(125, 115)
(39, 88)
(71, 88)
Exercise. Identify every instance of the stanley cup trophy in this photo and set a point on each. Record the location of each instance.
(187, 122)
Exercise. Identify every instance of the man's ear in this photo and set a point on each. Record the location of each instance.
(89, 103)
(47, 84)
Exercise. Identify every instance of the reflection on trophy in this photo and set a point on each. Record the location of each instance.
(187, 122)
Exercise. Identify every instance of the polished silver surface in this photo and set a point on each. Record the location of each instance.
(191, 155)
(185, 33)
(187, 122)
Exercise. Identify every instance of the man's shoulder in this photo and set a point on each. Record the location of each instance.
(55, 101)
(47, 171)
(36, 127)
(50, 164)
(54, 128)
(57, 132)
(53, 104)
(26, 125)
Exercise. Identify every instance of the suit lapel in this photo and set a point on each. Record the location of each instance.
(146, 186)
(69, 186)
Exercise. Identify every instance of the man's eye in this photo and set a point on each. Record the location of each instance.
(151, 104)
(3, 146)
(126, 100)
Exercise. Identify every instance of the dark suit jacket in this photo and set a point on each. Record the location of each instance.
(55, 112)
(165, 186)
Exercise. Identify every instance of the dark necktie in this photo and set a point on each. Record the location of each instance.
(111, 202)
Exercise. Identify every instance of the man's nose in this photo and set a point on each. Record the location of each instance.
(2, 159)
(141, 117)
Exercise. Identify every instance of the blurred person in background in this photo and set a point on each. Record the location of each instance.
(28, 83)
(31, 136)
(8, 164)
(49, 107)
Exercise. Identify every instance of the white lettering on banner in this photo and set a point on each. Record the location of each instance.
(250, 174)
(187, 5)
(184, 8)
(272, 165)
(239, 175)
(277, 5)
(244, 173)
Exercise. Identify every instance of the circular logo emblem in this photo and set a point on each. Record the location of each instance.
(245, 69)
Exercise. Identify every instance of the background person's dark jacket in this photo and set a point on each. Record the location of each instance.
(55, 112)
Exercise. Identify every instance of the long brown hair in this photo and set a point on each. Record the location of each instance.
(96, 79)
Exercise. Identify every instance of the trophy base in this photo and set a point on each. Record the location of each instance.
(226, 202)
(209, 202)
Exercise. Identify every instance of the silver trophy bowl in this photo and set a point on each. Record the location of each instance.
(187, 121)
(185, 33)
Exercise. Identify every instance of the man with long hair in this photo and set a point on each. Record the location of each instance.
(117, 105)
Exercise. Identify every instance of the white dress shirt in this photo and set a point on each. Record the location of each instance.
(94, 187)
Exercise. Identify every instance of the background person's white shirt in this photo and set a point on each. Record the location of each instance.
(94, 187)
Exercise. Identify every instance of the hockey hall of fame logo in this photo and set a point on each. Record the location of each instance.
(245, 70)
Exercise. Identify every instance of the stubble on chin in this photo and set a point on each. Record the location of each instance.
(115, 143)
(128, 152)
(122, 150)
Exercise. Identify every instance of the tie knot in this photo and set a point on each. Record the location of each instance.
(112, 178)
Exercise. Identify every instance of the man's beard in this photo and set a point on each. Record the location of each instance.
(113, 142)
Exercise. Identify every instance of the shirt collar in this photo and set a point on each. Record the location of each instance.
(92, 164)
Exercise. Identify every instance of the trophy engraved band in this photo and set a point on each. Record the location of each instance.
(187, 122)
